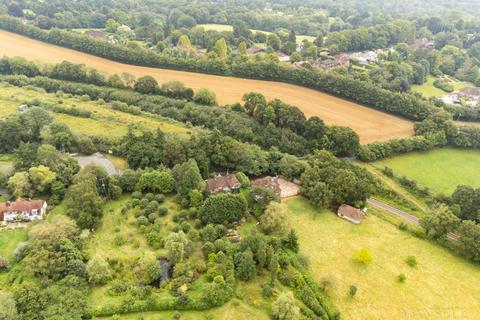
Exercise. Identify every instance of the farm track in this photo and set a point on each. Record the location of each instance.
(404, 215)
(371, 125)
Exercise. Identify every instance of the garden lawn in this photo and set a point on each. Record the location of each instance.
(9, 240)
(429, 90)
(441, 286)
(233, 310)
(441, 170)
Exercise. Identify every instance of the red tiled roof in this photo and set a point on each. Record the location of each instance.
(21, 205)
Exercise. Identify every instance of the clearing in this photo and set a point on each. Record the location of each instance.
(441, 286)
(441, 170)
(370, 124)
(227, 27)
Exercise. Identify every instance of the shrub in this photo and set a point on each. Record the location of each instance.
(411, 261)
(221, 208)
(4, 265)
(267, 290)
(401, 277)
(205, 96)
(285, 307)
(352, 291)
(142, 221)
(119, 240)
(163, 211)
(363, 256)
(98, 271)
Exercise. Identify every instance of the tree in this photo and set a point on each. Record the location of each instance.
(128, 79)
(221, 49)
(285, 308)
(273, 41)
(254, 101)
(343, 141)
(111, 26)
(177, 246)
(259, 198)
(41, 178)
(54, 249)
(274, 219)
(439, 222)
(205, 97)
(58, 135)
(147, 270)
(291, 241)
(469, 233)
(146, 85)
(242, 49)
(245, 268)
(290, 167)
(223, 208)
(20, 184)
(98, 271)
(157, 181)
(187, 177)
(8, 309)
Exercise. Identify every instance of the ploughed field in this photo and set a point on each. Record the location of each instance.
(370, 124)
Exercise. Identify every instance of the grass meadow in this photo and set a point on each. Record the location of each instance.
(9, 240)
(441, 286)
(104, 121)
(441, 170)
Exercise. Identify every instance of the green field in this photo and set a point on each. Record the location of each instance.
(429, 90)
(441, 170)
(104, 121)
(9, 240)
(226, 27)
(441, 286)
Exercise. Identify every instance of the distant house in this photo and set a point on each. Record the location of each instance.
(282, 57)
(471, 97)
(226, 183)
(280, 186)
(96, 33)
(350, 213)
(26, 210)
(254, 50)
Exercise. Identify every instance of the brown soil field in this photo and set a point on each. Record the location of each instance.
(371, 125)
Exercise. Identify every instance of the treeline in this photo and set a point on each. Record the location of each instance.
(437, 130)
(403, 104)
(265, 123)
(365, 38)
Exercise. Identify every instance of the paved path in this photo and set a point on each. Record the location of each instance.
(403, 215)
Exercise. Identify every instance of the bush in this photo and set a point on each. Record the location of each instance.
(98, 271)
(401, 278)
(223, 208)
(142, 221)
(363, 256)
(205, 97)
(163, 211)
(411, 261)
(443, 85)
(352, 291)
(119, 240)
(4, 265)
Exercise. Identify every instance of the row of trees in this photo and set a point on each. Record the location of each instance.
(407, 105)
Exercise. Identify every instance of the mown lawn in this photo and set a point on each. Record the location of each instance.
(442, 170)
(233, 310)
(441, 286)
(9, 240)
(429, 90)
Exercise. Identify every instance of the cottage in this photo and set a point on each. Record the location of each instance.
(350, 213)
(96, 33)
(254, 50)
(282, 57)
(280, 186)
(226, 183)
(27, 210)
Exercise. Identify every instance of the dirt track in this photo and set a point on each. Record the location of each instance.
(370, 124)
